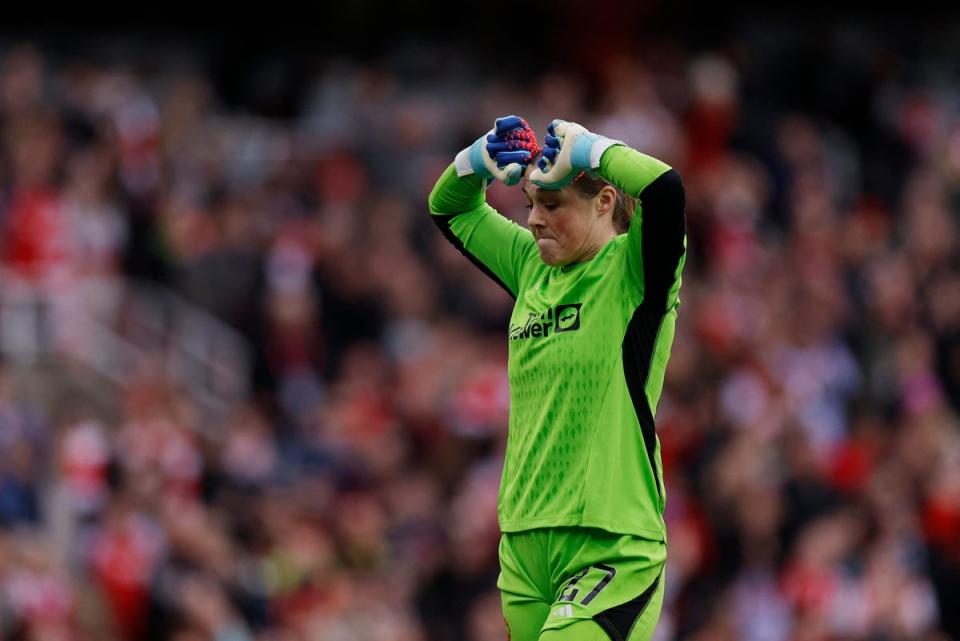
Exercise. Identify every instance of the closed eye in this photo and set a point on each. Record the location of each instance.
(549, 206)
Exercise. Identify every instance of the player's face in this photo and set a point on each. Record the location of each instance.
(568, 228)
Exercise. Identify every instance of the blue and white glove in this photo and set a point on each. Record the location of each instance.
(568, 150)
(502, 153)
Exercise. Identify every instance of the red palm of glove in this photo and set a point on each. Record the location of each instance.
(523, 138)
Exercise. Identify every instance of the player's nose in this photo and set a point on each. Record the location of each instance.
(535, 218)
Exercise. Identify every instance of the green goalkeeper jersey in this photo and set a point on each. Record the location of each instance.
(588, 347)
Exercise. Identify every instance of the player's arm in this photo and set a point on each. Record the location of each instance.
(657, 233)
(498, 246)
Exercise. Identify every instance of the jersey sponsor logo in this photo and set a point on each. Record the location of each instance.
(562, 318)
(568, 317)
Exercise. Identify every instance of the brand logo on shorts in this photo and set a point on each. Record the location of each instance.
(562, 318)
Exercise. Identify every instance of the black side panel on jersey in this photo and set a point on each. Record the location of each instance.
(637, 352)
(663, 229)
(618, 620)
(443, 222)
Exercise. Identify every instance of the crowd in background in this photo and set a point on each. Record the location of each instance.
(809, 420)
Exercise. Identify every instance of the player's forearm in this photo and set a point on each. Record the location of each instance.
(454, 194)
(630, 170)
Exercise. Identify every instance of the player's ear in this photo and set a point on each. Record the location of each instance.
(606, 200)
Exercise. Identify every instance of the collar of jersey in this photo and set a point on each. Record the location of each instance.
(566, 269)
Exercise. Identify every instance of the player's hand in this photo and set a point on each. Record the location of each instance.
(568, 150)
(503, 153)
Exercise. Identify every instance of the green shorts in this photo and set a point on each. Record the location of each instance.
(580, 584)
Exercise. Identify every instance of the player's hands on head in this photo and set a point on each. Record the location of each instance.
(568, 150)
(503, 153)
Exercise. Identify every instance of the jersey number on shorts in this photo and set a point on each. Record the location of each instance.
(570, 591)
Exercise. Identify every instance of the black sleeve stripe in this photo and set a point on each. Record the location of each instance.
(443, 222)
(664, 227)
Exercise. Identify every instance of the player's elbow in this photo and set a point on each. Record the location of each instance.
(667, 192)
(667, 196)
(435, 201)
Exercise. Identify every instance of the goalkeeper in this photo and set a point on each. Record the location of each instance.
(596, 279)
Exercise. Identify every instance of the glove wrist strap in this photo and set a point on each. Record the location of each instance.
(462, 163)
(597, 149)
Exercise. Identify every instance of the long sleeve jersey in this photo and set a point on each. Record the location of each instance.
(588, 348)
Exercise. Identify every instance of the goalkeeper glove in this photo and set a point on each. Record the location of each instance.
(503, 153)
(569, 149)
